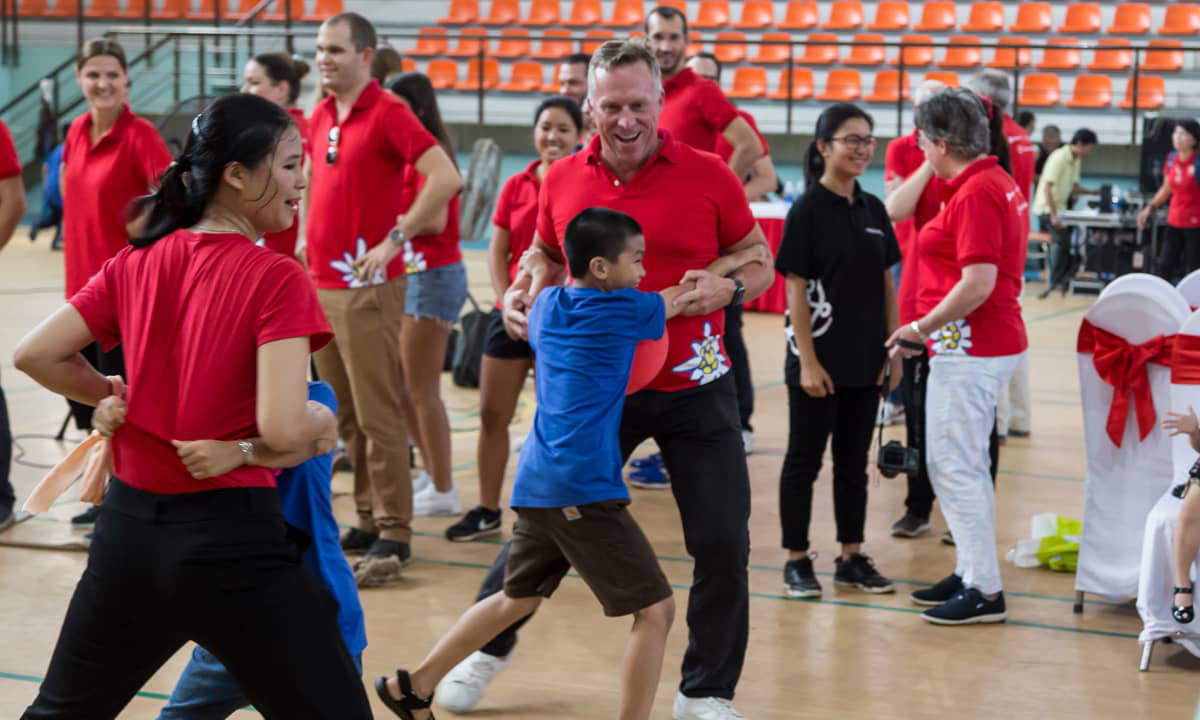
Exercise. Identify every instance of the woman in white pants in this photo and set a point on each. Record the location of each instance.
(971, 258)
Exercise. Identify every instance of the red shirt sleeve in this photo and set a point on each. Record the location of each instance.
(153, 156)
(502, 218)
(95, 302)
(10, 165)
(714, 107)
(891, 162)
(545, 223)
(734, 220)
(754, 126)
(979, 228)
(290, 308)
(404, 133)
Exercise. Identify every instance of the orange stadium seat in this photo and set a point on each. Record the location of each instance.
(733, 51)
(32, 8)
(802, 85)
(584, 13)
(324, 9)
(1032, 17)
(1151, 94)
(756, 15)
(985, 17)
(526, 78)
(442, 73)
(772, 54)
(63, 8)
(888, 87)
(134, 9)
(841, 86)
(820, 54)
(491, 75)
(964, 51)
(749, 82)
(844, 15)
(513, 43)
(1039, 90)
(170, 10)
(712, 14)
(595, 38)
(1112, 55)
(800, 15)
(679, 5)
(101, 9)
(693, 48)
(274, 13)
(947, 78)
(556, 44)
(470, 41)
(1061, 54)
(937, 16)
(866, 55)
(1011, 57)
(462, 12)
(1130, 19)
(1082, 17)
(542, 13)
(627, 14)
(1091, 91)
(408, 65)
(207, 12)
(1167, 57)
(890, 16)
(503, 12)
(915, 56)
(431, 41)
(1181, 19)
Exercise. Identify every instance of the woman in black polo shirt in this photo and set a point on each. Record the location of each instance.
(837, 247)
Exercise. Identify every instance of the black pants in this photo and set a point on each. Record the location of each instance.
(219, 568)
(739, 360)
(849, 416)
(107, 363)
(913, 386)
(698, 431)
(1179, 254)
(1062, 261)
(7, 497)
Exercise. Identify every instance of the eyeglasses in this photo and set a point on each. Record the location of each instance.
(857, 142)
(331, 153)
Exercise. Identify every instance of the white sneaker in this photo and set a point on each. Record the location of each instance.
(518, 442)
(748, 441)
(462, 688)
(707, 708)
(431, 502)
(420, 481)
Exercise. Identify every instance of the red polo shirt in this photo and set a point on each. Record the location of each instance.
(695, 111)
(985, 220)
(725, 151)
(190, 312)
(1022, 155)
(1184, 210)
(284, 241)
(516, 212)
(10, 165)
(354, 202)
(903, 159)
(690, 207)
(426, 252)
(99, 182)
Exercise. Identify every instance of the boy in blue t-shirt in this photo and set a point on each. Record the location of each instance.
(568, 493)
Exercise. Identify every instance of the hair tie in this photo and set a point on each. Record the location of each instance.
(987, 105)
(196, 125)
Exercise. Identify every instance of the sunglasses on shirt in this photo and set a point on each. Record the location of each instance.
(331, 153)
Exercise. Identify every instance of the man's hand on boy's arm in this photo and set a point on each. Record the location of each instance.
(1184, 424)
(671, 294)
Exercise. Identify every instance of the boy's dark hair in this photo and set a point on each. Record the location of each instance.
(1084, 136)
(597, 232)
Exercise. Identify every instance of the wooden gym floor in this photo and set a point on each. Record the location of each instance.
(848, 655)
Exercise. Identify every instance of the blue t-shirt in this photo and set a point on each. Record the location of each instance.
(306, 494)
(50, 190)
(583, 342)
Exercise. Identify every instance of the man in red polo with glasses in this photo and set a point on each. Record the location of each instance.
(362, 139)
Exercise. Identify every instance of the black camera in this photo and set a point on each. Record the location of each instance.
(894, 459)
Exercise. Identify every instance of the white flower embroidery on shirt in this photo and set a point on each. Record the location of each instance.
(953, 338)
(350, 276)
(414, 262)
(707, 363)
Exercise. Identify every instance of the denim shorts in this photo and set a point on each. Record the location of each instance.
(437, 293)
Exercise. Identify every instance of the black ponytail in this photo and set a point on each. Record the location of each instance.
(829, 122)
(997, 142)
(237, 128)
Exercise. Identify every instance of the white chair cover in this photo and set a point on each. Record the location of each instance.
(1189, 288)
(1123, 483)
(1152, 284)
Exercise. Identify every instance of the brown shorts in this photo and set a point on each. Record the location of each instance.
(601, 541)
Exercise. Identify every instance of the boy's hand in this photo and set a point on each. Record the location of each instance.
(109, 415)
(209, 458)
(1181, 424)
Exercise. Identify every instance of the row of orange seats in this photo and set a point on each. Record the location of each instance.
(1111, 54)
(1130, 18)
(202, 10)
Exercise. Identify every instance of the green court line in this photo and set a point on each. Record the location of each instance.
(1043, 476)
(35, 679)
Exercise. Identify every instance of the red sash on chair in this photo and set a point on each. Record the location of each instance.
(1123, 366)
(1185, 360)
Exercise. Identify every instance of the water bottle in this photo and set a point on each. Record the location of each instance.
(789, 192)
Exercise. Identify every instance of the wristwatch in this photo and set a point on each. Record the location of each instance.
(247, 449)
(397, 237)
(917, 329)
(739, 291)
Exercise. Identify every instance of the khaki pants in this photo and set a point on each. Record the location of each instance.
(362, 363)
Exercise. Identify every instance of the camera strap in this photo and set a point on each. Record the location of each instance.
(883, 394)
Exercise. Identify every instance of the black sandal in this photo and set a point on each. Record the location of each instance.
(1183, 613)
(407, 702)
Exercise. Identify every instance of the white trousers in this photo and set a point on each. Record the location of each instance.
(959, 411)
(1012, 404)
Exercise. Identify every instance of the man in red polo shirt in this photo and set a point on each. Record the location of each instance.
(12, 207)
(362, 140)
(693, 211)
(1022, 153)
(696, 112)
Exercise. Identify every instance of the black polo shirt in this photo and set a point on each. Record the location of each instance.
(842, 249)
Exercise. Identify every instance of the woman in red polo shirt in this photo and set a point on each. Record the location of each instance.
(1180, 253)
(276, 77)
(557, 124)
(217, 333)
(110, 157)
(437, 289)
(971, 258)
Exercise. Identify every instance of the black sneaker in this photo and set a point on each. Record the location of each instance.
(477, 523)
(800, 580)
(910, 526)
(939, 592)
(859, 571)
(87, 517)
(357, 542)
(7, 518)
(968, 607)
(948, 539)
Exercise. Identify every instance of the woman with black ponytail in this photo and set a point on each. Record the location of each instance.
(217, 333)
(837, 251)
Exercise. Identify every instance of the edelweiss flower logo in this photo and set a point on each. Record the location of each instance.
(953, 338)
(707, 364)
(350, 276)
(820, 310)
(414, 262)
